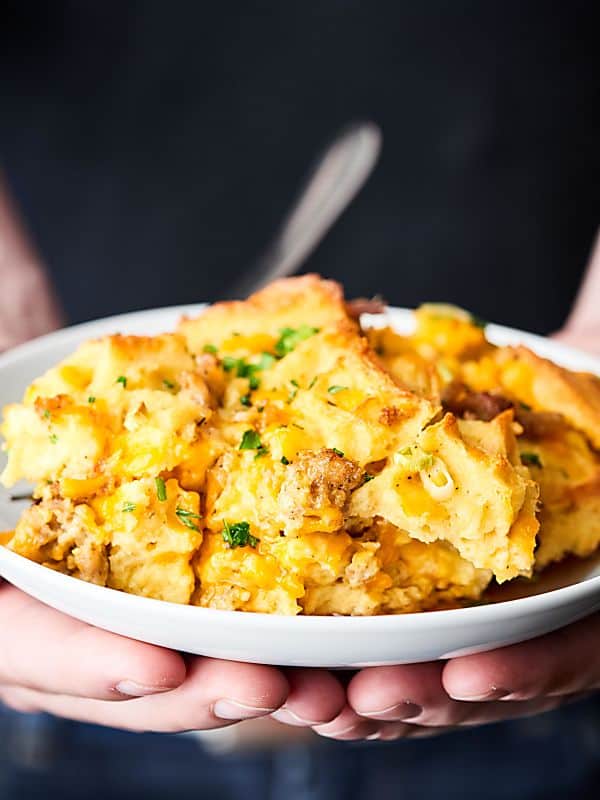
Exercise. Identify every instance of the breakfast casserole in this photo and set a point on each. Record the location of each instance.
(272, 456)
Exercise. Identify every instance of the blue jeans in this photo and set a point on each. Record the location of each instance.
(551, 757)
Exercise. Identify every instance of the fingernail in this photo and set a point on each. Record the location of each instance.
(358, 730)
(396, 713)
(289, 717)
(493, 693)
(374, 736)
(232, 709)
(133, 689)
(342, 732)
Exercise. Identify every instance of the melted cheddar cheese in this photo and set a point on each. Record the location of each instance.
(269, 456)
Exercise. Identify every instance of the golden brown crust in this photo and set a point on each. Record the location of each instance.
(357, 494)
(285, 303)
(576, 395)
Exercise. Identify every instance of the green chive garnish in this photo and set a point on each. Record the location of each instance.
(187, 518)
(290, 338)
(336, 389)
(250, 441)
(531, 459)
(237, 534)
(161, 489)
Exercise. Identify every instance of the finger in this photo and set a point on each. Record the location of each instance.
(315, 697)
(584, 312)
(562, 662)
(480, 714)
(475, 714)
(215, 694)
(42, 649)
(584, 338)
(497, 711)
(409, 693)
(348, 726)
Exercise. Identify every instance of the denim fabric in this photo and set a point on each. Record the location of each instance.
(551, 757)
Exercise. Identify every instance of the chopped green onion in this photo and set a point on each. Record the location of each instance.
(46, 413)
(245, 370)
(367, 477)
(53, 438)
(229, 363)
(531, 459)
(284, 460)
(209, 348)
(91, 399)
(250, 441)
(294, 391)
(161, 489)
(245, 399)
(335, 389)
(128, 507)
(122, 379)
(237, 534)
(338, 452)
(187, 518)
(290, 338)
(266, 361)
(168, 384)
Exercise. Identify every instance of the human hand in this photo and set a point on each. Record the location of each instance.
(52, 663)
(424, 699)
(28, 303)
(417, 700)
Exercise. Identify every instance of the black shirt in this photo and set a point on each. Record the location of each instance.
(154, 147)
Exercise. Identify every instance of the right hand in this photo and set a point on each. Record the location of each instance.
(52, 663)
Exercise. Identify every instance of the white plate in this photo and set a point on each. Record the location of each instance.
(294, 641)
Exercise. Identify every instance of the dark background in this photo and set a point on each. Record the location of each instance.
(155, 146)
